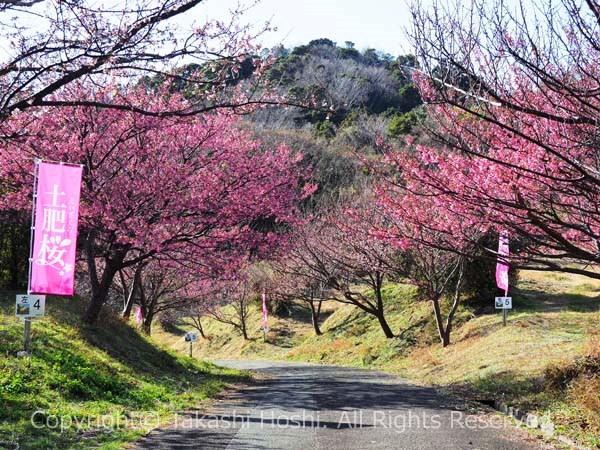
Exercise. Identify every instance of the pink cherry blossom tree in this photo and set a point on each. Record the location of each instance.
(200, 296)
(294, 284)
(225, 297)
(230, 302)
(514, 109)
(338, 251)
(436, 241)
(188, 187)
(158, 289)
(49, 45)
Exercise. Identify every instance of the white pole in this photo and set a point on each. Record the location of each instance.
(504, 310)
(27, 329)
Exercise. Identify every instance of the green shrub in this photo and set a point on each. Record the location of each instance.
(324, 129)
(401, 124)
(14, 383)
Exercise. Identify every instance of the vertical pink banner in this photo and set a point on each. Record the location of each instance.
(138, 315)
(265, 313)
(501, 267)
(55, 229)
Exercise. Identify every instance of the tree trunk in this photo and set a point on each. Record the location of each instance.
(384, 325)
(314, 313)
(376, 310)
(132, 292)
(146, 308)
(100, 288)
(14, 266)
(126, 313)
(15, 256)
(444, 332)
(380, 310)
(439, 321)
(199, 328)
(446, 339)
(126, 290)
(244, 331)
(147, 323)
(242, 312)
(455, 303)
(99, 295)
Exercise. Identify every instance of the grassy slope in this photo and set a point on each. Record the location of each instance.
(553, 317)
(107, 385)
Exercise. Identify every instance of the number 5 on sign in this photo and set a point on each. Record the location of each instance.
(31, 305)
(503, 302)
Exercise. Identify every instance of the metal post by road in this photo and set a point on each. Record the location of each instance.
(190, 349)
(27, 337)
(504, 314)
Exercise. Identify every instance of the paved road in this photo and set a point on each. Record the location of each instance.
(309, 407)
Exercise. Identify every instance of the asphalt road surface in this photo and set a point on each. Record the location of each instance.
(296, 406)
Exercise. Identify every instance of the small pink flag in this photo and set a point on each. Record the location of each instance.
(55, 228)
(138, 314)
(501, 267)
(265, 313)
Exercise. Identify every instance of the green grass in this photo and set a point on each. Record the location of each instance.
(553, 317)
(104, 386)
(292, 336)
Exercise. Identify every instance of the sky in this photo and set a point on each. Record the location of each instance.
(378, 24)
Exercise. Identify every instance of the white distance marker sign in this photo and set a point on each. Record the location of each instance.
(191, 337)
(503, 302)
(30, 305)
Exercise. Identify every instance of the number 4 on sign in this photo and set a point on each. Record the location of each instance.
(503, 302)
(30, 305)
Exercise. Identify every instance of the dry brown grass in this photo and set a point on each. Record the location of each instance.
(340, 344)
(592, 347)
(584, 392)
(561, 282)
(426, 356)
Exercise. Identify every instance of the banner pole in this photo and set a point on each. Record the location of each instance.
(27, 328)
(504, 310)
(265, 319)
(26, 335)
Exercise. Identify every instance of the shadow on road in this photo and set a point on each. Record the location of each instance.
(337, 389)
(294, 406)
